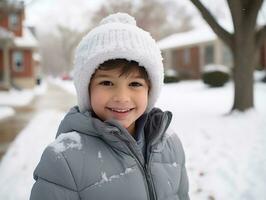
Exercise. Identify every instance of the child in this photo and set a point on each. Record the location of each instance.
(114, 145)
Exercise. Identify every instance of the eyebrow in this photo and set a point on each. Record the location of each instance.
(108, 76)
(102, 76)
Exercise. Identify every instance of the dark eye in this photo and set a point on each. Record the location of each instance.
(106, 83)
(135, 84)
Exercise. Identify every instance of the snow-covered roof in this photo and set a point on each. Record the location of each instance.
(195, 36)
(27, 40)
(5, 34)
(200, 34)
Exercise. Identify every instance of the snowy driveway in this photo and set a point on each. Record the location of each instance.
(54, 99)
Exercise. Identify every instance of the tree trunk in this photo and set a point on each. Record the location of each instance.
(244, 62)
(244, 43)
(243, 85)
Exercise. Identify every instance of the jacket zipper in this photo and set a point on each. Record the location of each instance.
(149, 174)
(146, 175)
(150, 181)
(143, 169)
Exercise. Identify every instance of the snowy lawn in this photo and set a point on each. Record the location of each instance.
(225, 153)
(66, 85)
(6, 111)
(9, 99)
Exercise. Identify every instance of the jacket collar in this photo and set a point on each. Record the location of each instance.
(111, 131)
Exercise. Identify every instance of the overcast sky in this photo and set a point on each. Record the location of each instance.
(44, 14)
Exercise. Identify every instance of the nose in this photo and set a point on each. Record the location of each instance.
(121, 95)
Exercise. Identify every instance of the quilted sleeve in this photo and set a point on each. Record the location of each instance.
(44, 190)
(54, 179)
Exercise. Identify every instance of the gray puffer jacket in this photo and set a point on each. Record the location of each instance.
(95, 160)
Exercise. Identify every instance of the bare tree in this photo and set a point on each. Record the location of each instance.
(57, 49)
(244, 44)
(49, 50)
(110, 7)
(68, 39)
(151, 15)
(177, 18)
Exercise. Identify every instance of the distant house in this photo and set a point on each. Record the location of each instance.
(17, 48)
(188, 52)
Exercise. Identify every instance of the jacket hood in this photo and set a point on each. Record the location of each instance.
(77, 121)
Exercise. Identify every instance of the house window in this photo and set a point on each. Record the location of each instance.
(186, 56)
(175, 60)
(227, 56)
(209, 54)
(13, 21)
(18, 61)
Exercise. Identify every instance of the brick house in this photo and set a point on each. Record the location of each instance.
(188, 52)
(17, 48)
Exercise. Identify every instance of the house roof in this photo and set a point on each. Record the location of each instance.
(11, 5)
(203, 33)
(195, 36)
(27, 40)
(5, 34)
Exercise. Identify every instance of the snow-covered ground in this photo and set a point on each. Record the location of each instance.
(17, 165)
(225, 153)
(9, 99)
(6, 111)
(66, 85)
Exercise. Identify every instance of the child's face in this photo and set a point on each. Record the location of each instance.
(123, 98)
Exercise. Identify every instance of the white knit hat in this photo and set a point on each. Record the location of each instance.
(116, 37)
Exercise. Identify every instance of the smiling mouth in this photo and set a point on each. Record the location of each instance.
(120, 110)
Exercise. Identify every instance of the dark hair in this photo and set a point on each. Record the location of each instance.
(126, 67)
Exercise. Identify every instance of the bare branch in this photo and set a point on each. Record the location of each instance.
(252, 5)
(244, 11)
(250, 11)
(235, 7)
(261, 36)
(209, 18)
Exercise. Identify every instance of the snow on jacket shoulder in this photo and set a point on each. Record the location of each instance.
(91, 159)
(54, 179)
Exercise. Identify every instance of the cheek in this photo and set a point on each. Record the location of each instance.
(97, 99)
(143, 100)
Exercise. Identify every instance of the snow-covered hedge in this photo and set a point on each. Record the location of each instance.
(171, 76)
(215, 75)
